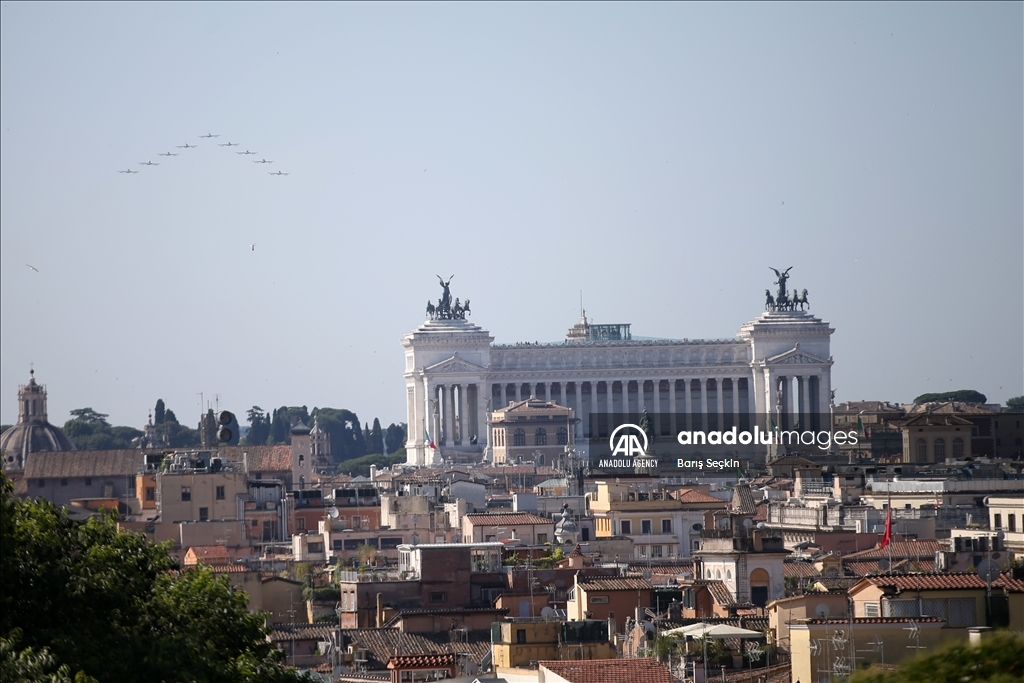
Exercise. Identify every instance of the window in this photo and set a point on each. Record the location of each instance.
(563, 436)
(728, 575)
(540, 437)
(656, 551)
(150, 493)
(519, 438)
(666, 526)
(997, 522)
(542, 538)
(438, 597)
(300, 523)
(641, 551)
(186, 493)
(1011, 521)
(343, 521)
(922, 451)
(204, 514)
(88, 481)
(626, 527)
(645, 526)
(220, 493)
(871, 609)
(63, 481)
(521, 636)
(958, 447)
(940, 450)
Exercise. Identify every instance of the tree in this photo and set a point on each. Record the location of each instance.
(394, 437)
(1015, 404)
(961, 395)
(90, 431)
(259, 427)
(345, 432)
(169, 416)
(89, 416)
(997, 659)
(376, 441)
(110, 607)
(158, 412)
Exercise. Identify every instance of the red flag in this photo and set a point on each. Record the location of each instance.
(887, 536)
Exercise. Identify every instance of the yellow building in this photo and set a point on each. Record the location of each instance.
(533, 430)
(522, 642)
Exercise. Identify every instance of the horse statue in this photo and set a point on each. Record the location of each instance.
(803, 300)
(769, 300)
(457, 309)
(430, 308)
(465, 307)
(794, 300)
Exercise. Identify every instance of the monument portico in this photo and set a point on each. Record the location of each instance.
(778, 365)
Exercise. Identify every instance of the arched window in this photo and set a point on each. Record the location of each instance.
(519, 438)
(958, 447)
(563, 436)
(718, 574)
(940, 450)
(728, 575)
(540, 437)
(922, 451)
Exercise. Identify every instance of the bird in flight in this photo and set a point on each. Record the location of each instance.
(227, 144)
(147, 163)
(245, 152)
(186, 146)
(252, 247)
(32, 267)
(128, 171)
(278, 173)
(210, 135)
(263, 161)
(168, 154)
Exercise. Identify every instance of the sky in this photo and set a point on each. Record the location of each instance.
(658, 158)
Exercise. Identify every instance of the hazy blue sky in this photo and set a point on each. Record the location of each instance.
(659, 157)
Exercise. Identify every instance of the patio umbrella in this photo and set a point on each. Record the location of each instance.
(719, 631)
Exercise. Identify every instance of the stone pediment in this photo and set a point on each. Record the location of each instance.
(456, 365)
(796, 356)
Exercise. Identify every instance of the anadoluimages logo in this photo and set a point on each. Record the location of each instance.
(630, 443)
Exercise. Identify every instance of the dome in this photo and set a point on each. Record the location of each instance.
(33, 433)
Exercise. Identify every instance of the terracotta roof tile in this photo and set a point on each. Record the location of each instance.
(804, 570)
(620, 584)
(898, 550)
(117, 463)
(640, 670)
(260, 458)
(506, 518)
(421, 661)
(911, 582)
(695, 496)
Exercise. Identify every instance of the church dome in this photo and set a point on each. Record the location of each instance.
(33, 433)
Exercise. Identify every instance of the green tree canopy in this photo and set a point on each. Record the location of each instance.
(962, 395)
(394, 437)
(1016, 404)
(159, 414)
(259, 427)
(90, 431)
(999, 659)
(345, 432)
(89, 598)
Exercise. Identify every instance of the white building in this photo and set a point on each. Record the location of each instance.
(455, 375)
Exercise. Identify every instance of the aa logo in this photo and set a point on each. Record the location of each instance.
(628, 440)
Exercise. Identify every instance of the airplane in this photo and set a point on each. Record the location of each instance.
(168, 154)
(209, 135)
(147, 163)
(278, 173)
(245, 152)
(185, 146)
(263, 161)
(227, 144)
(128, 171)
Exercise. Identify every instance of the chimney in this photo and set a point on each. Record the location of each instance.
(380, 610)
(612, 627)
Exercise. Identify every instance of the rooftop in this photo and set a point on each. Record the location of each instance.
(640, 670)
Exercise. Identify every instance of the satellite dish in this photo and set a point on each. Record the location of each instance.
(697, 527)
(761, 525)
(646, 574)
(547, 612)
(747, 523)
(333, 513)
(988, 571)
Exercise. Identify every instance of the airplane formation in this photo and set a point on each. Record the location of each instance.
(208, 136)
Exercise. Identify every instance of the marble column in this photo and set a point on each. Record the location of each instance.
(719, 398)
(703, 403)
(673, 427)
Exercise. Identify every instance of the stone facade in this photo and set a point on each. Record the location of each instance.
(455, 376)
